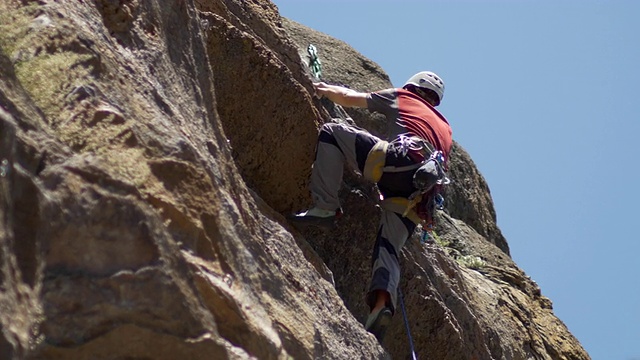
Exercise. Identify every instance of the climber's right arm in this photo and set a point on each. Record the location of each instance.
(341, 95)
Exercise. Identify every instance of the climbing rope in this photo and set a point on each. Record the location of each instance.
(406, 324)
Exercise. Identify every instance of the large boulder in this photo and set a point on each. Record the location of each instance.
(148, 154)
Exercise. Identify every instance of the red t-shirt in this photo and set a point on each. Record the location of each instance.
(411, 115)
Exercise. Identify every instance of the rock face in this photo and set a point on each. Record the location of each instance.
(149, 150)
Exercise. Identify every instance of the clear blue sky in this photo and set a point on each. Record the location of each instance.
(544, 96)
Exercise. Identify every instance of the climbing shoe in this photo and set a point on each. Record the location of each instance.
(325, 219)
(378, 322)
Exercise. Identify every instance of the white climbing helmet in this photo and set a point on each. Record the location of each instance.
(428, 80)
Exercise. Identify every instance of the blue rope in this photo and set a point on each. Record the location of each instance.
(406, 324)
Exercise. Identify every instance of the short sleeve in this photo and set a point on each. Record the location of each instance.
(383, 101)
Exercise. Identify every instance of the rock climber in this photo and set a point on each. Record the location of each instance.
(399, 166)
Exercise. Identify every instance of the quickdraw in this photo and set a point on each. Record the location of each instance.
(314, 63)
(316, 71)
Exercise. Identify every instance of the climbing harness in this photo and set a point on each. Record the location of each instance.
(375, 162)
(406, 324)
(429, 175)
(407, 143)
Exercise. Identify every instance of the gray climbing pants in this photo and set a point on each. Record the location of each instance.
(338, 143)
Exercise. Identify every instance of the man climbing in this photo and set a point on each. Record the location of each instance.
(405, 169)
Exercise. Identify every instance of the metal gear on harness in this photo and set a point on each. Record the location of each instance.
(439, 200)
(431, 173)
